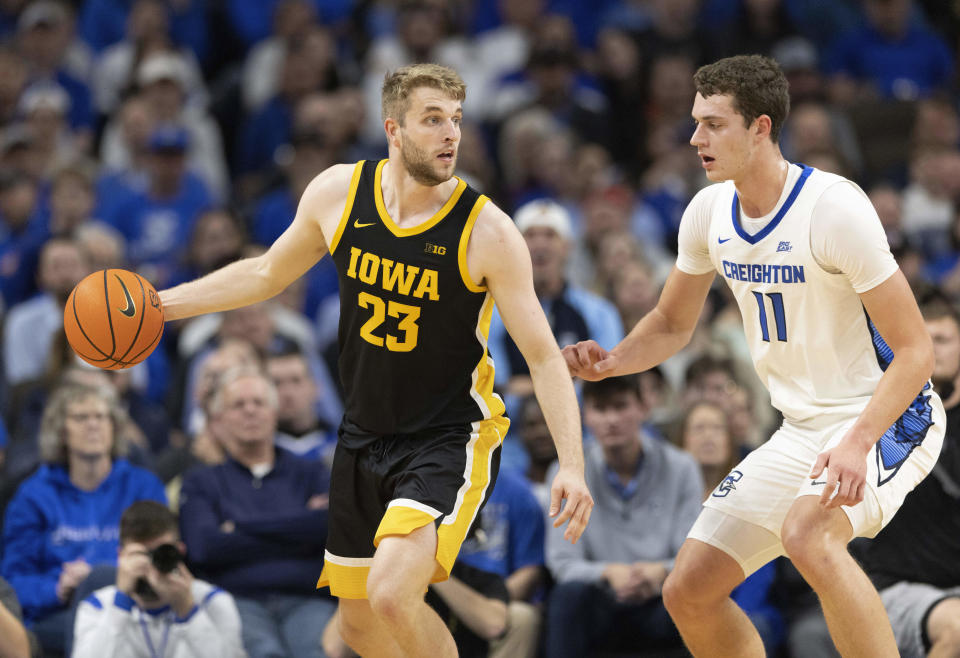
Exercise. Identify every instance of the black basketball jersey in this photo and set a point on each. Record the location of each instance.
(413, 326)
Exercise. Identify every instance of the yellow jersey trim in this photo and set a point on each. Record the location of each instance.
(345, 582)
(419, 228)
(462, 248)
(482, 378)
(452, 532)
(351, 197)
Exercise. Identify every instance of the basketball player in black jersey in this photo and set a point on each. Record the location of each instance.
(421, 257)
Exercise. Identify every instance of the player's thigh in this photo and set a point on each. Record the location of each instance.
(404, 564)
(722, 550)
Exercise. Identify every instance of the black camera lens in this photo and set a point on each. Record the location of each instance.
(165, 558)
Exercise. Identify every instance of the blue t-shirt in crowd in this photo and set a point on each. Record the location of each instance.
(253, 21)
(50, 521)
(912, 67)
(104, 23)
(157, 230)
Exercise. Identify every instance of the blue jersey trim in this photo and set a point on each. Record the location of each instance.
(766, 230)
(909, 430)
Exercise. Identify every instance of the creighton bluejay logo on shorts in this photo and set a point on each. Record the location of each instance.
(729, 484)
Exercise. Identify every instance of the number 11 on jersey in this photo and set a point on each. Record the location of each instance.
(780, 318)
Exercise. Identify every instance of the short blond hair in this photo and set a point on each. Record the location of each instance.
(398, 85)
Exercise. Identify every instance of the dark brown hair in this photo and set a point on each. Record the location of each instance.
(755, 82)
(145, 520)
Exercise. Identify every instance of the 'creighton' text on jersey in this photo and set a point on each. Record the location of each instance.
(761, 273)
(413, 325)
(811, 341)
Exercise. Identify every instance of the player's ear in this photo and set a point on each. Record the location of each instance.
(763, 125)
(392, 128)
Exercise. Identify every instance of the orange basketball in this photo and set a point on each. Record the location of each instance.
(113, 319)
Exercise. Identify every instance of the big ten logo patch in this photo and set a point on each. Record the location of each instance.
(435, 249)
(729, 484)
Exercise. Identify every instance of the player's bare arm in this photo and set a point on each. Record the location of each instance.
(660, 334)
(253, 280)
(893, 310)
(497, 256)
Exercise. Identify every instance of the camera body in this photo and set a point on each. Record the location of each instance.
(165, 559)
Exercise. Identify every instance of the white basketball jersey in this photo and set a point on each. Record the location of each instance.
(811, 341)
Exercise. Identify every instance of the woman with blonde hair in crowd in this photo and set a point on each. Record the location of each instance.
(64, 519)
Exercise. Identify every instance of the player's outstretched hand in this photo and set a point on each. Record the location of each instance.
(846, 467)
(569, 485)
(588, 361)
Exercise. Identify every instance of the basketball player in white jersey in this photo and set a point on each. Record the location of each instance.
(835, 335)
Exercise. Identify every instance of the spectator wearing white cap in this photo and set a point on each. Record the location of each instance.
(572, 311)
(164, 82)
(148, 31)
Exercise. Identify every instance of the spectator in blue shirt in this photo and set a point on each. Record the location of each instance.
(157, 221)
(65, 518)
(23, 230)
(256, 525)
(893, 55)
(104, 22)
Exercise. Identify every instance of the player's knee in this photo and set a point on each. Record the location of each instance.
(681, 594)
(388, 603)
(809, 547)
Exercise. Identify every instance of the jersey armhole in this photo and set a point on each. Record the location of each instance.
(462, 248)
(348, 206)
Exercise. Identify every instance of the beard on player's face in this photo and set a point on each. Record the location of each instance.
(421, 166)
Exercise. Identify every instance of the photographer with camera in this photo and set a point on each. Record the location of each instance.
(156, 609)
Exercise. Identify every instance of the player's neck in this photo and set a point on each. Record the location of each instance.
(408, 202)
(761, 185)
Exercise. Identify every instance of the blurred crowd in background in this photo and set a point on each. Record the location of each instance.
(173, 136)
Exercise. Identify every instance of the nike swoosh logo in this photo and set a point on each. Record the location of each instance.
(357, 224)
(131, 308)
(722, 240)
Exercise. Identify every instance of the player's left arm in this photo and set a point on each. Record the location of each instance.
(861, 252)
(498, 257)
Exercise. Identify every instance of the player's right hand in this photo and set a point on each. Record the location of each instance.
(588, 361)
